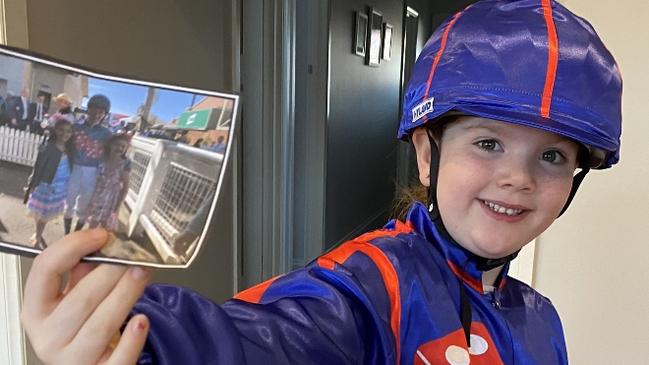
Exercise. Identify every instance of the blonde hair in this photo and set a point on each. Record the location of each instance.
(405, 197)
(63, 97)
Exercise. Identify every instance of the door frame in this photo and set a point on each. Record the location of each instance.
(13, 17)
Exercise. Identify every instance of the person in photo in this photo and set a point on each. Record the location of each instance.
(89, 139)
(112, 184)
(48, 184)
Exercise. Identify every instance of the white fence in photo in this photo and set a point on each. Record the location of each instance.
(169, 182)
(18, 146)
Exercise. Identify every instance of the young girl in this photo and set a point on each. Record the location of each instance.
(112, 184)
(48, 184)
(506, 101)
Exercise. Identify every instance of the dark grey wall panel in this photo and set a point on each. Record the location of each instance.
(362, 125)
(184, 42)
(444, 9)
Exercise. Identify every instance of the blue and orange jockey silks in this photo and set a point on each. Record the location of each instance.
(387, 297)
(529, 62)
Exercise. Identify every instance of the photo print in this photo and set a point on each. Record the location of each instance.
(81, 149)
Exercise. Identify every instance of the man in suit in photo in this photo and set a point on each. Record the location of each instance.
(17, 109)
(36, 115)
(13, 111)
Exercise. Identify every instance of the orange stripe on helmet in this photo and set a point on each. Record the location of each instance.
(442, 46)
(553, 59)
(383, 264)
(254, 294)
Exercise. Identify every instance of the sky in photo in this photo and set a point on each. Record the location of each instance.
(127, 98)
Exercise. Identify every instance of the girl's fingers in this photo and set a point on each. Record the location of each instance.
(105, 321)
(77, 273)
(79, 303)
(43, 285)
(131, 342)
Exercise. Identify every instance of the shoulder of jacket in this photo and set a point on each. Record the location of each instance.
(382, 246)
(529, 294)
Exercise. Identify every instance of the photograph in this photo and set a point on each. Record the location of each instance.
(80, 150)
(360, 35)
(374, 38)
(387, 41)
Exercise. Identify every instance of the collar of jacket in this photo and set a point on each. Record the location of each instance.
(462, 262)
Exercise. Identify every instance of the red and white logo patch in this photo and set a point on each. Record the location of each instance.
(451, 349)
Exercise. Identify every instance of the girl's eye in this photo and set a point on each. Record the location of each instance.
(553, 156)
(489, 145)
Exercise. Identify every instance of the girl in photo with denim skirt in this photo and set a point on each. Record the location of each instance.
(48, 184)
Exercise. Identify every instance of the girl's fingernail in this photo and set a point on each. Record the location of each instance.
(140, 325)
(139, 273)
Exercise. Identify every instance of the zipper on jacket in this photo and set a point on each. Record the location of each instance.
(495, 299)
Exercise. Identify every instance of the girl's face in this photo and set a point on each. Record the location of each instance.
(500, 185)
(63, 132)
(118, 147)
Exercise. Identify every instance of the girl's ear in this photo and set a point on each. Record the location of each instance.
(422, 148)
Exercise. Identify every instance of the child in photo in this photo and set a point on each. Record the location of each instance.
(510, 104)
(48, 184)
(89, 137)
(112, 183)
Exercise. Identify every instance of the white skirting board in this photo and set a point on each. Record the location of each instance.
(12, 339)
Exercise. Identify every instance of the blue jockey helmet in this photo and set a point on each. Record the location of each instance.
(529, 62)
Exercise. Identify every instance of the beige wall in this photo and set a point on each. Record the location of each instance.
(594, 261)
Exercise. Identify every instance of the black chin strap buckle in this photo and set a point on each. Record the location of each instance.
(485, 264)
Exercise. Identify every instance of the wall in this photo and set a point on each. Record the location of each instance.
(592, 263)
(159, 40)
(361, 129)
(44, 79)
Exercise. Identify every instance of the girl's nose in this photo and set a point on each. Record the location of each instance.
(516, 174)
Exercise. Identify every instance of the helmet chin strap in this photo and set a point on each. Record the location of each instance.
(576, 181)
(483, 263)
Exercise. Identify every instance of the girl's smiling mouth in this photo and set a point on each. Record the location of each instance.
(502, 211)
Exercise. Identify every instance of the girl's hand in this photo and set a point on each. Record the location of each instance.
(76, 325)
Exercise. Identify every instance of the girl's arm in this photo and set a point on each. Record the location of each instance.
(304, 317)
(310, 316)
(36, 171)
(337, 310)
